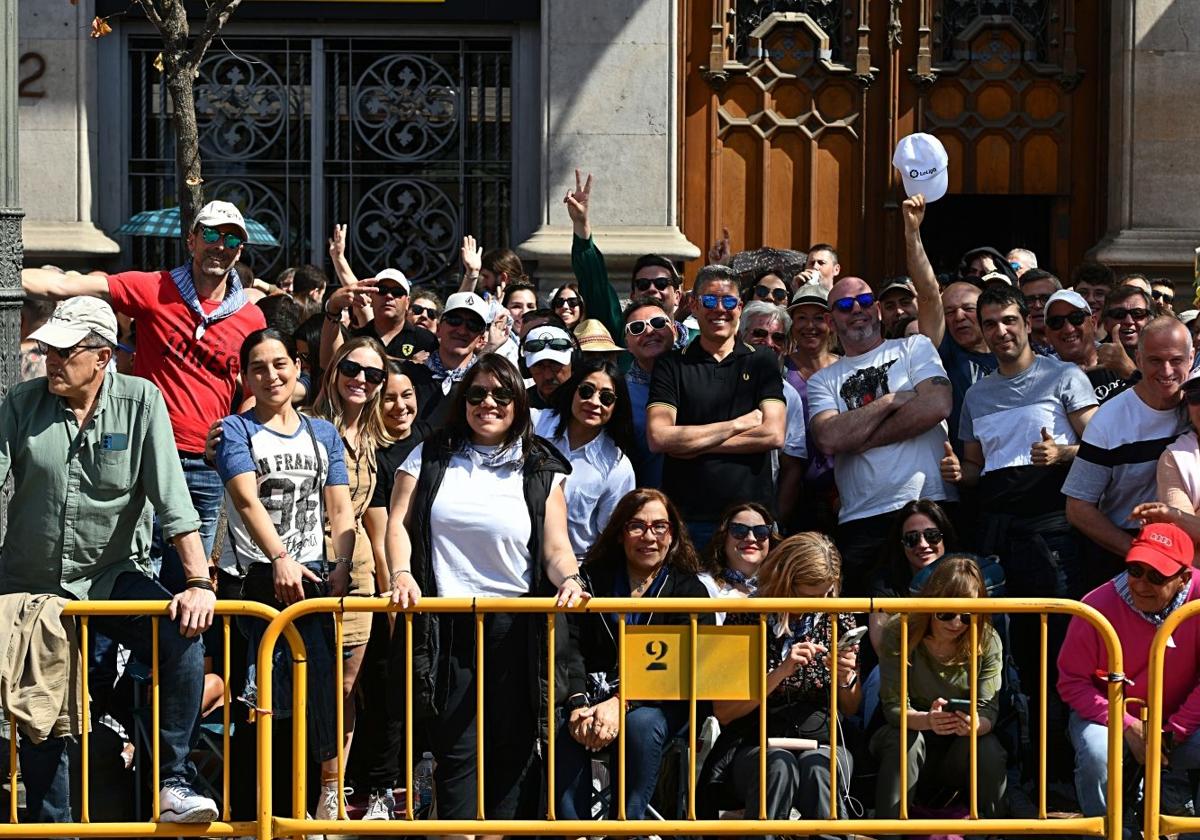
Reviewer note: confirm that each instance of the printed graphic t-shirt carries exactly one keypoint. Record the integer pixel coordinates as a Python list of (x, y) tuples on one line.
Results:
[(198, 378)]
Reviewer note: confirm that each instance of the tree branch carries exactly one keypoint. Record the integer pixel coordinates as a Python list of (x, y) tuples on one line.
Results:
[(151, 13), (218, 13)]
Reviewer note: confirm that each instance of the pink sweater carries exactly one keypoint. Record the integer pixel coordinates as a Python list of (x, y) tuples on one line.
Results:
[(1083, 653)]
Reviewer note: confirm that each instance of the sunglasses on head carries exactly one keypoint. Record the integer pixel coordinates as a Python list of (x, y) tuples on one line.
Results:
[(1138, 570), (643, 284), (533, 345), (1163, 296), (212, 236), (759, 334), (418, 309), (740, 530), (475, 325), (728, 302), (965, 618), (658, 322), (765, 292), (502, 396), (865, 301), (569, 303), (587, 390), (912, 539), (1118, 313), (351, 369), (392, 290), (1076, 319)]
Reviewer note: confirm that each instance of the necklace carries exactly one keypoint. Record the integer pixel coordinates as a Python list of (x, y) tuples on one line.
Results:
[(640, 587)]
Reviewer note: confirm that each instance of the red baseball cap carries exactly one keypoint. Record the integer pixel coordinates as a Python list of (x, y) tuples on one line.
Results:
[(1164, 547)]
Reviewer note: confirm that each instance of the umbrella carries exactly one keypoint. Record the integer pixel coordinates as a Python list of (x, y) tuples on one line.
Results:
[(782, 261), (165, 223)]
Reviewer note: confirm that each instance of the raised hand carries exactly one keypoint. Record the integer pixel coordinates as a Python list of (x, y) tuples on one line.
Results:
[(577, 202), (337, 243), (719, 252), (1045, 451), (472, 256), (949, 465), (913, 211)]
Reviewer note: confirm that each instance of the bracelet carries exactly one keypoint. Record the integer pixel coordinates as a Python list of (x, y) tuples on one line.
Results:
[(283, 552), (345, 560), (578, 579), (399, 572), (853, 681), (201, 583)]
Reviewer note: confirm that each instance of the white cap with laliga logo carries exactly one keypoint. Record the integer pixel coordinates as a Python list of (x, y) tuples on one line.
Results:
[(924, 166), (217, 213)]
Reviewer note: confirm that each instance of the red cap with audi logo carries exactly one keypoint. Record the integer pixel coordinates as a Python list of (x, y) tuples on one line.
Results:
[(1164, 547)]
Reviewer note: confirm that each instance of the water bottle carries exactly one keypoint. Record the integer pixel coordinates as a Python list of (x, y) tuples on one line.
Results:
[(423, 782)]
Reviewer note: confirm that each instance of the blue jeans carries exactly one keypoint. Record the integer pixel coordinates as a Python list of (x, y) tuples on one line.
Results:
[(206, 490), (181, 687), (1091, 770)]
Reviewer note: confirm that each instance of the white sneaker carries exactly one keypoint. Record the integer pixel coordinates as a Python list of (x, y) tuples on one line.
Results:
[(327, 803), (179, 803), (381, 806)]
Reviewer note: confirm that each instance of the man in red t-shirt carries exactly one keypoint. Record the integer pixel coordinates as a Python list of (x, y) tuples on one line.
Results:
[(191, 322)]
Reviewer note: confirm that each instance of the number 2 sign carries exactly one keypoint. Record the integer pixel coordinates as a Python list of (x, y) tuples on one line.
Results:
[(658, 662)]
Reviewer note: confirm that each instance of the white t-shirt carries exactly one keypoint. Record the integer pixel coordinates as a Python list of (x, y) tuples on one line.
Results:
[(885, 478), (600, 476), (793, 440), (479, 523)]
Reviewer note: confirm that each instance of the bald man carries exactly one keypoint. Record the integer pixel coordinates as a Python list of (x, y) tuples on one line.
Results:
[(1117, 460)]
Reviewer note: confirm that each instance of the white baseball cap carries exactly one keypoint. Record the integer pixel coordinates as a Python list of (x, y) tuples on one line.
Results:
[(469, 301), (924, 166), (217, 213), (396, 276), (1068, 296), (547, 332), (74, 319)]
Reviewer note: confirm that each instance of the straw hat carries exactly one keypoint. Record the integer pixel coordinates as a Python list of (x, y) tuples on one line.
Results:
[(593, 337)]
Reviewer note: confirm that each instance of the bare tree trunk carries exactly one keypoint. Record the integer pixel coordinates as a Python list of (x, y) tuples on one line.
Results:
[(187, 148)]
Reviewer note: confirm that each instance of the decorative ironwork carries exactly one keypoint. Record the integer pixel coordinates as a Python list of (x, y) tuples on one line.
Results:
[(828, 14), (265, 204), (405, 107), (406, 223), (240, 107), (1035, 17)]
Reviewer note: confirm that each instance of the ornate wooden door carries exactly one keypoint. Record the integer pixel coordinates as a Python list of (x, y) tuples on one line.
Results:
[(792, 109)]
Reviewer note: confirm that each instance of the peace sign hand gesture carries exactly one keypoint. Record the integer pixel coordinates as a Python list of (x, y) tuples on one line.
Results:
[(577, 205)]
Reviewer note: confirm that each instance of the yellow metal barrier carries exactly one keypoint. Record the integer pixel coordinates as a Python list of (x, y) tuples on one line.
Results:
[(84, 610), (674, 647), (1157, 823)]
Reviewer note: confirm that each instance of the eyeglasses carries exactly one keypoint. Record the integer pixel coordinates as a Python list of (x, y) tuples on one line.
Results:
[(759, 334), (1118, 313), (1163, 297), (965, 618), (533, 345), (658, 322), (764, 292), (636, 527), (643, 284), (1032, 299), (418, 309), (740, 530), (587, 390), (568, 303), (1137, 570), (455, 320), (65, 353), (865, 301), (1076, 319), (212, 236), (502, 396), (912, 539), (351, 369), (392, 290), (728, 302)]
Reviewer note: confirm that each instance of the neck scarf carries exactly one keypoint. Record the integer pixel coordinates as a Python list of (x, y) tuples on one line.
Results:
[(1121, 582), (234, 300), (444, 375), (735, 578)]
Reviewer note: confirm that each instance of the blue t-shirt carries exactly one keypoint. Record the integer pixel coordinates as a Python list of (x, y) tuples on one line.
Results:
[(286, 471), (647, 465)]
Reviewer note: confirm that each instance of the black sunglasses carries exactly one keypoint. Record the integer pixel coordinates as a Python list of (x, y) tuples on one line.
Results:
[(587, 390), (639, 327), (392, 290), (569, 303), (740, 530), (1119, 313), (502, 396), (912, 539), (759, 334), (351, 369), (865, 301), (764, 292), (418, 309), (1076, 319), (643, 284), (1163, 296), (65, 353), (1137, 570), (533, 345), (475, 325), (212, 236), (965, 618)]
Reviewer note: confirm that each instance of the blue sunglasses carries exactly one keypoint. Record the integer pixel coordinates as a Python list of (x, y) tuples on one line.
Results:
[(728, 302), (846, 304)]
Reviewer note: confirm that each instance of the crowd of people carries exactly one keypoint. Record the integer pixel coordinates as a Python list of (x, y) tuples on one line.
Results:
[(198, 434)]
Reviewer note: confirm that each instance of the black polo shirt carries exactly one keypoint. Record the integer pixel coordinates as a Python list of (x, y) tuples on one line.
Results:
[(702, 391), (406, 343)]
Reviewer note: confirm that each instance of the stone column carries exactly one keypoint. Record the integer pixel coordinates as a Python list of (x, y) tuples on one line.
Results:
[(609, 79), (1153, 160), (11, 251)]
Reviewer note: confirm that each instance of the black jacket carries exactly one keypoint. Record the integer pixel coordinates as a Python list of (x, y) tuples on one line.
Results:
[(540, 464)]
